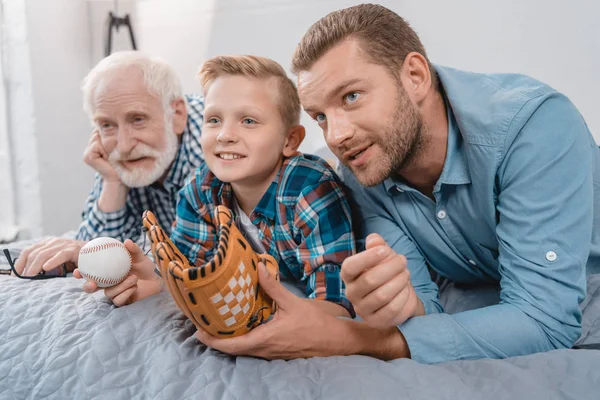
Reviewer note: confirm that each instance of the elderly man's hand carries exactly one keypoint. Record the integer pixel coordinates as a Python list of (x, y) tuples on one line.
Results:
[(48, 255), (97, 157), (141, 282), (378, 285)]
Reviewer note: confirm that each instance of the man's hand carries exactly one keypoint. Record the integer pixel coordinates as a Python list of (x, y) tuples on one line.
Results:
[(141, 282), (97, 157), (378, 285), (48, 255), (300, 329), (114, 192)]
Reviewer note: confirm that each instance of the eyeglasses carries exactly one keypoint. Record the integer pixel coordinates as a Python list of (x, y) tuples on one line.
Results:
[(59, 272)]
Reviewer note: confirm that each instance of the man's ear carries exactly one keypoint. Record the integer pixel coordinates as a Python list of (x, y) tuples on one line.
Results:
[(294, 139), (416, 77), (179, 115)]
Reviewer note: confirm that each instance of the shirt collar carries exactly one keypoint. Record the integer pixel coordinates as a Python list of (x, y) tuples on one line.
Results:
[(267, 205)]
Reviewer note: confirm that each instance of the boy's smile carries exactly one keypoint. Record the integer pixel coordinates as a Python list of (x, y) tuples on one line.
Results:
[(244, 137)]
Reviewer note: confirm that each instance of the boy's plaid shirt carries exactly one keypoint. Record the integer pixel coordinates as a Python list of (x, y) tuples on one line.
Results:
[(160, 199), (303, 219)]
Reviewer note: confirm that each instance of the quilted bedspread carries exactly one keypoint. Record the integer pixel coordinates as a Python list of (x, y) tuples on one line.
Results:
[(57, 342)]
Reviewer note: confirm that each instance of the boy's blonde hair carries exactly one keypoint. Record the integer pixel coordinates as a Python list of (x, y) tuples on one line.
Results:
[(255, 67)]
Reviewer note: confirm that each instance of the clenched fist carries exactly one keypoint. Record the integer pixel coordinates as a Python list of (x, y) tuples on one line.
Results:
[(378, 285)]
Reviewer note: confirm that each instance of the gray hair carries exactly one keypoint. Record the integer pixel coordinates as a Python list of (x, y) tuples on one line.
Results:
[(160, 78)]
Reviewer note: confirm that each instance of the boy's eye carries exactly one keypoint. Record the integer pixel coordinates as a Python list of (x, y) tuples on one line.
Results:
[(212, 120), (248, 121), (351, 97), (320, 118)]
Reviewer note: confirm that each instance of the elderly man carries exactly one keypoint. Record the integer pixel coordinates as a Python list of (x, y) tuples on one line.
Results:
[(146, 142), (479, 179)]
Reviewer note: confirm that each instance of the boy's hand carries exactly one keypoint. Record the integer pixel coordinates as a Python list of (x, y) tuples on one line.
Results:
[(141, 282), (378, 285)]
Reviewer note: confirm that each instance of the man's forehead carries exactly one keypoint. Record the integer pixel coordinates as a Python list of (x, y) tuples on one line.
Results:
[(338, 65)]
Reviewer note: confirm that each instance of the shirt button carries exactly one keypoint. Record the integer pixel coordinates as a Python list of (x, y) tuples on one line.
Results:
[(551, 256), (399, 190), (472, 262), (441, 214)]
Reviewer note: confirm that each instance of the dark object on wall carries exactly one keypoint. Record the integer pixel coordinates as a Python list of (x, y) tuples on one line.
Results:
[(115, 23)]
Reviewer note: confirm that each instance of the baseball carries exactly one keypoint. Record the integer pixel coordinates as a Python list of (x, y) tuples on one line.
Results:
[(105, 261)]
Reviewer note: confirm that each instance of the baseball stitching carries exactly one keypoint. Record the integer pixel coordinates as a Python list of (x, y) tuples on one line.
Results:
[(104, 281), (98, 247)]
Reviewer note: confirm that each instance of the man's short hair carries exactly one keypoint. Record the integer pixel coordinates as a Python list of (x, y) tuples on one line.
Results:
[(383, 35), (255, 67), (160, 78)]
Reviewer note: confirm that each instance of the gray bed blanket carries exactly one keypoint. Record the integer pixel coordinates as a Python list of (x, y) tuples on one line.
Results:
[(57, 342)]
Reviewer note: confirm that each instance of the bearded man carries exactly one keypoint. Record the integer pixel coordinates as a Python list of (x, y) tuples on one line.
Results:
[(145, 143)]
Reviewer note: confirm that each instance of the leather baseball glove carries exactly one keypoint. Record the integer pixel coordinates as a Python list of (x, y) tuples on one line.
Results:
[(222, 296)]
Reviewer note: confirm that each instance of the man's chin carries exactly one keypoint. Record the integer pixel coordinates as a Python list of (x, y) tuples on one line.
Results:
[(366, 176), (138, 178)]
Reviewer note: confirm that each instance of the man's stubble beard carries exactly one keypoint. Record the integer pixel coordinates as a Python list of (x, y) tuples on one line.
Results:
[(401, 144)]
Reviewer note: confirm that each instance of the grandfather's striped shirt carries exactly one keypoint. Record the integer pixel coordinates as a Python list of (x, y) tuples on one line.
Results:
[(161, 199), (303, 220)]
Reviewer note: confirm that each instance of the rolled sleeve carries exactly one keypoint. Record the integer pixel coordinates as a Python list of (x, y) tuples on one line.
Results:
[(323, 218)]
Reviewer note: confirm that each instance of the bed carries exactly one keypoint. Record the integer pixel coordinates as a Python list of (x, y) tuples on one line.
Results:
[(57, 342)]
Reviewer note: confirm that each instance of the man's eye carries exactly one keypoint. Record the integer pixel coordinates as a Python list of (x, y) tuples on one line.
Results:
[(320, 118), (138, 120), (352, 97), (248, 121)]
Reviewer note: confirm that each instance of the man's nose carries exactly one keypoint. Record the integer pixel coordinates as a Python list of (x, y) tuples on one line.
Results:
[(339, 129), (125, 140)]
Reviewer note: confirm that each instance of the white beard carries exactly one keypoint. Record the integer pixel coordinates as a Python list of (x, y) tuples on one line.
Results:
[(140, 177)]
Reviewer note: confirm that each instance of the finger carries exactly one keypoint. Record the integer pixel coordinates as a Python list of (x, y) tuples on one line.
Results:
[(62, 257), (90, 287), (377, 276), (391, 314), (383, 295), (24, 256), (273, 288), (114, 291), (122, 298), (374, 240), (137, 254), (38, 257), (355, 265), (77, 274), (248, 344)]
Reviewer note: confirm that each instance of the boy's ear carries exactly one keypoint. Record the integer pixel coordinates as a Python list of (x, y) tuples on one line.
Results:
[(179, 116), (294, 139)]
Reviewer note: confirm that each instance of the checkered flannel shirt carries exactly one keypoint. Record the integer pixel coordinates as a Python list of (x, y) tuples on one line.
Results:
[(160, 199), (303, 219)]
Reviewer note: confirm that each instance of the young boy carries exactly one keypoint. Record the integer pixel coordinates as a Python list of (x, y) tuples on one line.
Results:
[(287, 204)]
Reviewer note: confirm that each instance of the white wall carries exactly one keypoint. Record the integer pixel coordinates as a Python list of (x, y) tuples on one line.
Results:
[(552, 40), (59, 51), (24, 201), (54, 43)]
